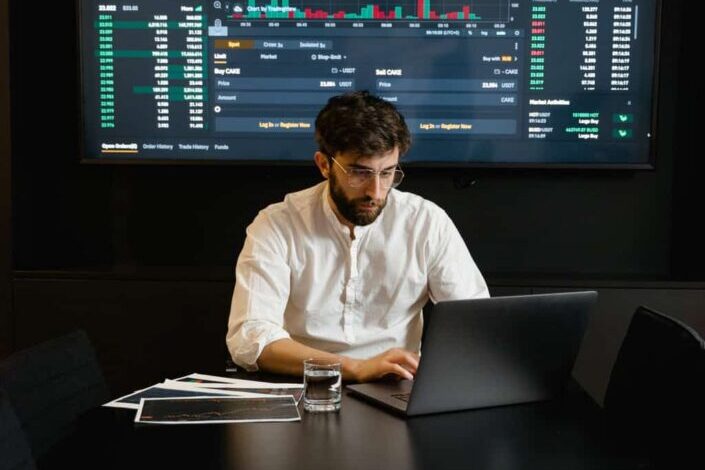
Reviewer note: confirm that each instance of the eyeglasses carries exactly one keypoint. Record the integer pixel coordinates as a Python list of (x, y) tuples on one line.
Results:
[(357, 177)]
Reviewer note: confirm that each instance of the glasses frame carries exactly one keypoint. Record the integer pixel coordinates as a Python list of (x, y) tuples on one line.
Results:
[(371, 173)]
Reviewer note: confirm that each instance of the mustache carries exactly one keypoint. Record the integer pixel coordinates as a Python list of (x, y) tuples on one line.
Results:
[(368, 200)]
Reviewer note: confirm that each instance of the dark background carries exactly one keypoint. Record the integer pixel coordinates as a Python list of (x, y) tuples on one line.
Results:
[(142, 256)]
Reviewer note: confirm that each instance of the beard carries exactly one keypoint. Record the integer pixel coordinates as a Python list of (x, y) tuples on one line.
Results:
[(351, 209)]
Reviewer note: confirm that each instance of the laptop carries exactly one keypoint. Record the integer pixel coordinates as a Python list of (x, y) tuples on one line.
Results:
[(495, 351)]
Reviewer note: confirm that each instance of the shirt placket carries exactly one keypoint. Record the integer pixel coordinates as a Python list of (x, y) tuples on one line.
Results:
[(350, 290)]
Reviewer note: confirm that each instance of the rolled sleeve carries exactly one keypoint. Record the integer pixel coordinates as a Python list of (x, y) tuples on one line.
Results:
[(246, 342), (262, 284)]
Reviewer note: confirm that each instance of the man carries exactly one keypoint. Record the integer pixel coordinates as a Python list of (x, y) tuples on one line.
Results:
[(342, 270)]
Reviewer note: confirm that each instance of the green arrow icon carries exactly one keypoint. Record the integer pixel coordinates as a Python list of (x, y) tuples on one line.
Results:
[(622, 133), (622, 118)]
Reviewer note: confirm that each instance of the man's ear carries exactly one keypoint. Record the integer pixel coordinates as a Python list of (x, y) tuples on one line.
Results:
[(322, 163)]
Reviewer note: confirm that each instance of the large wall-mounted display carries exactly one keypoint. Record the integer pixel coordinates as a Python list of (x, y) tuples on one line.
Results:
[(527, 83)]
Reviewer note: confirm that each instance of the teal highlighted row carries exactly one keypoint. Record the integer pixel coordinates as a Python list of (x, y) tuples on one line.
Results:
[(140, 54), (175, 93), (182, 76), (148, 24)]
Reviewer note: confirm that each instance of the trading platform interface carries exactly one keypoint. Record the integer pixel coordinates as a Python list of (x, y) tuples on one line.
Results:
[(478, 81)]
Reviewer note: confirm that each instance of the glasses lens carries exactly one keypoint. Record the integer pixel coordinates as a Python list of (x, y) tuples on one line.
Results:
[(358, 177), (398, 176), (388, 179)]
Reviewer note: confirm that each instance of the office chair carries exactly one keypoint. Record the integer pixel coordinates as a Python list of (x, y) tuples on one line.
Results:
[(50, 385), (656, 388), (15, 453)]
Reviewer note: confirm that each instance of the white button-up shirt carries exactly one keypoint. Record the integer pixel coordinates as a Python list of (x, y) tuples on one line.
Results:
[(301, 276)]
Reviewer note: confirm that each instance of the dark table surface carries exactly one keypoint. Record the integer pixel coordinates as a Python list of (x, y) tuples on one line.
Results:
[(570, 432)]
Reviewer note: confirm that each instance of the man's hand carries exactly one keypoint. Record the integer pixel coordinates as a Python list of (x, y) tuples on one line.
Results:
[(397, 362), (286, 356)]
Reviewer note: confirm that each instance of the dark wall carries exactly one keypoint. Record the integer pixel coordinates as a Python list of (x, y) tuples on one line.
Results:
[(5, 187), (142, 256), (142, 331), (688, 256)]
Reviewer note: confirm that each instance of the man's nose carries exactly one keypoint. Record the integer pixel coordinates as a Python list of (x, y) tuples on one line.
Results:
[(373, 187)]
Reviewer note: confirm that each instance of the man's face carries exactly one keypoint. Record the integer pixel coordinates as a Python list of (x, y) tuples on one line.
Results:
[(361, 205)]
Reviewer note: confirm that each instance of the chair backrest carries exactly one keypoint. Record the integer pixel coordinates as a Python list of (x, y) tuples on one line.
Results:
[(657, 384), (14, 448), (50, 385)]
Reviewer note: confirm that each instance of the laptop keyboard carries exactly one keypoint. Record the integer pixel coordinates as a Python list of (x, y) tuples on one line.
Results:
[(401, 396)]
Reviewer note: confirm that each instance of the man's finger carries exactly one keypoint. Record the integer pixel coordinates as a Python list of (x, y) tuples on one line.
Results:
[(399, 370), (406, 359)]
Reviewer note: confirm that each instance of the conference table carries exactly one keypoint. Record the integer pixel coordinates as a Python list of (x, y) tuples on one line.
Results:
[(570, 432)]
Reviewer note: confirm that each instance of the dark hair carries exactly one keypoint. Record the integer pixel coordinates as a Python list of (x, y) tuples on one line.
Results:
[(361, 124)]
